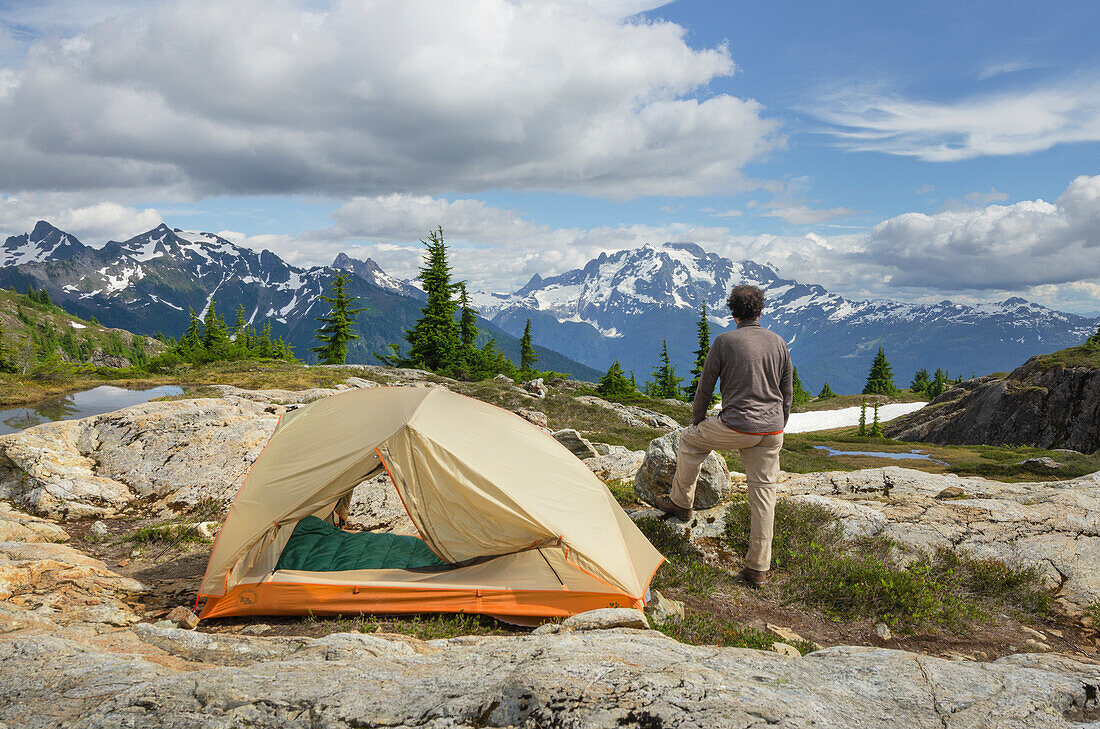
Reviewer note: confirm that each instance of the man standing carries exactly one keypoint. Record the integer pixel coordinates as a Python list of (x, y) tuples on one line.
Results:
[(756, 376)]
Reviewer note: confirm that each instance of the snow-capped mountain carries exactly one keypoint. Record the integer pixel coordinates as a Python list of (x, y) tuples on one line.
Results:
[(624, 304), (149, 284), (371, 272), (43, 243)]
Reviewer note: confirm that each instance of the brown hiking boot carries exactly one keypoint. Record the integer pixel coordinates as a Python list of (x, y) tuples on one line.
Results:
[(667, 505), (753, 578)]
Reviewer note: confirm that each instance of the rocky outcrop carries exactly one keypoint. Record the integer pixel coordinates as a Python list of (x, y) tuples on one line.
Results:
[(179, 453), (655, 475), (615, 463), (601, 678), (632, 415), (47, 585), (1054, 526), (1037, 404)]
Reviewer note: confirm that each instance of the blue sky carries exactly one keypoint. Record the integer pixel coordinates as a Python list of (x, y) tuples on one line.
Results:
[(887, 150)]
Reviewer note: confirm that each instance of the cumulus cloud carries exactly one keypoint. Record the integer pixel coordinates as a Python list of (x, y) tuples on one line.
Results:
[(1006, 123), (1029, 243), (425, 96), (91, 222)]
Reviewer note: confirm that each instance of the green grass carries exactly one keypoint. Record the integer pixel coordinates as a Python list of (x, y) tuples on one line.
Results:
[(997, 462), (702, 629), (846, 579), (623, 491), (1085, 355), (163, 534), (847, 401)]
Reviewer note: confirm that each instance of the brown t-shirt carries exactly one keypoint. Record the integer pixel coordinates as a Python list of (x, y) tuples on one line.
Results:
[(756, 376)]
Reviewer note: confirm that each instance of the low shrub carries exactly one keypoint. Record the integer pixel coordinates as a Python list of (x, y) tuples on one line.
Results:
[(857, 578), (684, 568)]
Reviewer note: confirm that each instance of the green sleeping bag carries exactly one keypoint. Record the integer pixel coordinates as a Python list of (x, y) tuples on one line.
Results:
[(317, 546)]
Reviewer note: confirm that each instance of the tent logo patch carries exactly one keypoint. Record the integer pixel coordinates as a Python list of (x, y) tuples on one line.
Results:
[(247, 598)]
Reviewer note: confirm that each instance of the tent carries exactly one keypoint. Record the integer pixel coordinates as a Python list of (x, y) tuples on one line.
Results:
[(514, 524)]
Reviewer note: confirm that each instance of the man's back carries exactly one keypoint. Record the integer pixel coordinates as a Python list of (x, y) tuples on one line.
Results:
[(755, 371)]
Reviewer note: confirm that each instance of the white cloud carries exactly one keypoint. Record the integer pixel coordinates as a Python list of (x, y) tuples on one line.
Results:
[(926, 189), (1029, 243), (276, 96), (91, 222), (1006, 123), (802, 214), (984, 198)]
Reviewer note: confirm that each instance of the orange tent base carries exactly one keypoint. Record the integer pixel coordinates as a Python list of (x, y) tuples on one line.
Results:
[(295, 598)]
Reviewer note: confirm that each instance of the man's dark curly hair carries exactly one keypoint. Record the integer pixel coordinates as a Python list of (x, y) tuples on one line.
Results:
[(746, 302)]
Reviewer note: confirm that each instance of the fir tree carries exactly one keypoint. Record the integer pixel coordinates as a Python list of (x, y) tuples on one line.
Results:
[(826, 392), (435, 339), (876, 427), (702, 329), (614, 383), (1095, 338), (800, 395), (264, 346), (939, 385), (665, 383), (191, 341), (214, 337), (93, 320), (921, 381), (880, 380), (527, 354), (240, 332), (338, 326), (467, 325), (863, 417)]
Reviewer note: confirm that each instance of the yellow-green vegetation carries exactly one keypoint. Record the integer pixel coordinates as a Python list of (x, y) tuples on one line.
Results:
[(1085, 355), (1005, 463), (702, 629), (166, 534), (684, 569), (623, 491), (425, 627), (818, 567)]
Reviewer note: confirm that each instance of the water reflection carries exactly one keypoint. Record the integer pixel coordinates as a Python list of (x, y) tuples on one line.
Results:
[(98, 400), (904, 455)]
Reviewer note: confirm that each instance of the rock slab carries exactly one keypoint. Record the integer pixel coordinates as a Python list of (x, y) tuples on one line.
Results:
[(657, 470)]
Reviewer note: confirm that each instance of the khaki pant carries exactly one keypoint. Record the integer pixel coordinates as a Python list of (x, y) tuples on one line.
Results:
[(759, 453)]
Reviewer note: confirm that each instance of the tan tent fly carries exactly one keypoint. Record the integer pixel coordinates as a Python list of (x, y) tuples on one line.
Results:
[(516, 525)]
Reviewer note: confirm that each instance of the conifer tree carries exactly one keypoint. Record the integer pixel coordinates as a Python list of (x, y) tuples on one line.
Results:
[(880, 380), (939, 385), (338, 326), (240, 332), (799, 395), (93, 320), (863, 417), (265, 347), (192, 338), (876, 427), (664, 382), (435, 338), (214, 337), (527, 354), (920, 382), (614, 383), (826, 392), (467, 324), (702, 329), (1095, 338)]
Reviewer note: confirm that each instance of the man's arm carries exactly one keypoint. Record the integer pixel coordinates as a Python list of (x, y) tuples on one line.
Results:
[(705, 391), (786, 385)]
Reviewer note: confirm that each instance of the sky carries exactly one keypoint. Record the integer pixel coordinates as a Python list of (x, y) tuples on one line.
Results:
[(909, 151)]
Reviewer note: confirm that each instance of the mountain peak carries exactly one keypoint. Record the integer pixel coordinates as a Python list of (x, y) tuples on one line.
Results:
[(43, 229), (371, 272)]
